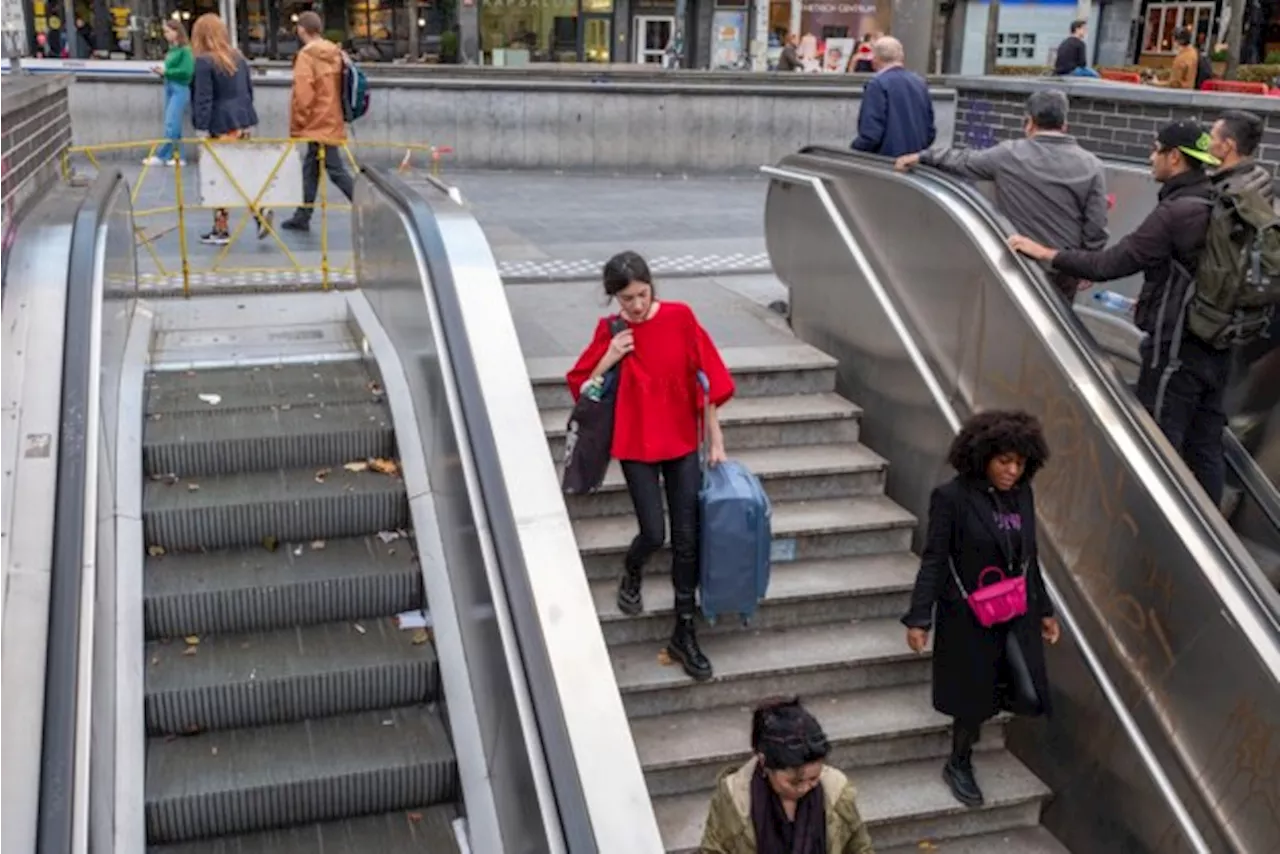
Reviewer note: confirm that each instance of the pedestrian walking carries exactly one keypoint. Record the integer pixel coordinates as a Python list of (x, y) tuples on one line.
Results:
[(981, 541), (178, 70), (1049, 187), (1182, 380), (896, 115), (222, 103), (656, 433), (315, 115)]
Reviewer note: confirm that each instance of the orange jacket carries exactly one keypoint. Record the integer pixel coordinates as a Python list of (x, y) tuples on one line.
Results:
[(316, 109), (1183, 75)]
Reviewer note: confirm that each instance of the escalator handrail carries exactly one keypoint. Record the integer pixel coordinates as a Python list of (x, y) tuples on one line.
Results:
[(1254, 584), (1091, 660), (571, 803), (58, 750)]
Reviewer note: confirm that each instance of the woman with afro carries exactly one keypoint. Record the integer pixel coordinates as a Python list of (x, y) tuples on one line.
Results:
[(984, 517)]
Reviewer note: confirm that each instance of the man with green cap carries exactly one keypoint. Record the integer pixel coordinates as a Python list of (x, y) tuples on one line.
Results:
[(1182, 380)]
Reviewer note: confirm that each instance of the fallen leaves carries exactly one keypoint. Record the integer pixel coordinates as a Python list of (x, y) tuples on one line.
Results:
[(379, 464), (211, 399), (322, 475), (414, 817), (359, 628), (317, 545), (191, 650), (155, 551), (420, 636), (664, 658), (192, 640), (356, 466), (270, 543)]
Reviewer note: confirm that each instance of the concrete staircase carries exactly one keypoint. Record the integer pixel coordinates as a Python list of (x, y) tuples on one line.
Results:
[(828, 629)]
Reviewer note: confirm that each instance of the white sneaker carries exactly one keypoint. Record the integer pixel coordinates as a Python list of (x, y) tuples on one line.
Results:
[(154, 161)]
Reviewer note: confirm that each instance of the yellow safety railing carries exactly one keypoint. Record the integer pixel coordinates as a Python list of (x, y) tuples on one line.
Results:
[(254, 204)]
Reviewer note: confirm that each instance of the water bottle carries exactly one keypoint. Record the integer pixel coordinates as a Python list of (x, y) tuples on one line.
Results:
[(1112, 301)]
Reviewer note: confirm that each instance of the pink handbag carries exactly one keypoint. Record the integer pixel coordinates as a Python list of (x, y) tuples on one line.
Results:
[(997, 602)]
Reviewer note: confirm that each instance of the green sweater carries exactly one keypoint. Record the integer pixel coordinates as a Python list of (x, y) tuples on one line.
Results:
[(179, 64)]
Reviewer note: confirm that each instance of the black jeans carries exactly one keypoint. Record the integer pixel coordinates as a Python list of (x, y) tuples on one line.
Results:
[(1188, 405), (681, 479), (336, 169)]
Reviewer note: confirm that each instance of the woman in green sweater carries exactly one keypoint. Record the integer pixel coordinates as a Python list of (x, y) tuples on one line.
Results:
[(179, 68)]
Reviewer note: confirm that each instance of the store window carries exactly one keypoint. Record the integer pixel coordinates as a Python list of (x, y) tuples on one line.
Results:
[(1016, 48), (837, 19), (1165, 19), (515, 32)]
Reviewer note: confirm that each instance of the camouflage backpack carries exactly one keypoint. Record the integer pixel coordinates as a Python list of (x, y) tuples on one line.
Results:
[(1237, 282)]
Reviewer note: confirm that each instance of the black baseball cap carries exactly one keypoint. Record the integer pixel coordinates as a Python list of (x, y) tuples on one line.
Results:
[(1190, 138)]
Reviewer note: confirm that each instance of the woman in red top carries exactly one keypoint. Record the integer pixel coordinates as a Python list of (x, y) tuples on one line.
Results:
[(655, 433)]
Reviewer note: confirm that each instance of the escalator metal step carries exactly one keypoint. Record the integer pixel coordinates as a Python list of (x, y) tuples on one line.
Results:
[(172, 392), (238, 781), (298, 505), (252, 589), (414, 831), (198, 445), (228, 681)]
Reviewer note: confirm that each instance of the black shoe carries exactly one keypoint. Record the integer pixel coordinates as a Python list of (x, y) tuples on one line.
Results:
[(215, 238), (684, 648), (264, 223), (630, 601), (295, 224), (958, 775)]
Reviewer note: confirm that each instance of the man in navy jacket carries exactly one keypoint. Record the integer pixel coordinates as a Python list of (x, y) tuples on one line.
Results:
[(896, 116)]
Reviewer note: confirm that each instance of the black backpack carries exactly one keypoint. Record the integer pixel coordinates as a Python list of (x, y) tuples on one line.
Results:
[(588, 443), (1204, 70)]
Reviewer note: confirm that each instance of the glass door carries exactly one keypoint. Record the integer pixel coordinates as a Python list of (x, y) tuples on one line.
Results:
[(652, 35), (597, 38)]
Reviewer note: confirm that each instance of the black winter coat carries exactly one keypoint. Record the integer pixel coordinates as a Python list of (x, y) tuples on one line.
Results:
[(969, 660), (221, 102)]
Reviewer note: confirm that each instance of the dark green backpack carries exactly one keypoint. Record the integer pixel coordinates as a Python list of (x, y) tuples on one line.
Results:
[(1237, 282)]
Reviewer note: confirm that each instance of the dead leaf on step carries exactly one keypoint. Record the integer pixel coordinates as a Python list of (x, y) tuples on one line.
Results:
[(192, 640), (191, 650), (211, 399), (193, 487), (356, 466), (389, 536), (664, 658), (270, 543), (155, 551), (359, 628), (317, 545), (375, 389), (414, 817), (322, 474), (926, 845), (384, 466), (420, 636)]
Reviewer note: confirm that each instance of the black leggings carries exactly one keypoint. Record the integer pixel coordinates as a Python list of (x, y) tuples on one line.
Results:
[(681, 477)]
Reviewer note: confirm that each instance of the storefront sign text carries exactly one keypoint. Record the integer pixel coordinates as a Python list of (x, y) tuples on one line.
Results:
[(839, 8)]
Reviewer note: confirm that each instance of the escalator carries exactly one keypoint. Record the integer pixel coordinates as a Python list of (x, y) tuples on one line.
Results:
[(293, 598), (1167, 687)]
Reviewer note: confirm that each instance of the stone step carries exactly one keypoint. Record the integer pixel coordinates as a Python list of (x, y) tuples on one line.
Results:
[(1017, 840), (427, 830), (750, 664), (170, 393), (297, 505), (253, 589), (902, 804), (758, 371), (800, 593), (245, 680), (798, 473), (281, 437), (802, 530), (244, 780), (758, 422), (685, 752)]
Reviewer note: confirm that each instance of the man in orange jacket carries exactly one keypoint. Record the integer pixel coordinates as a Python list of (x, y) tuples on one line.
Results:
[(315, 114)]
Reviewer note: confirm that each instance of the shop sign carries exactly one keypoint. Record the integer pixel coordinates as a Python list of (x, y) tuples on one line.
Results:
[(822, 7)]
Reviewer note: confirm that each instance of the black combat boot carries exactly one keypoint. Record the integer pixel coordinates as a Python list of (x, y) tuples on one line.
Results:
[(630, 601), (958, 772), (684, 648)]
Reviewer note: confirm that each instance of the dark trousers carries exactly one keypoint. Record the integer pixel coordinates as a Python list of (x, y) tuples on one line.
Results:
[(681, 479), (1188, 405), (964, 735), (336, 169)]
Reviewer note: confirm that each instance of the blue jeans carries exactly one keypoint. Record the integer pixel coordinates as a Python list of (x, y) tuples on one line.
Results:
[(176, 98), (1084, 71)]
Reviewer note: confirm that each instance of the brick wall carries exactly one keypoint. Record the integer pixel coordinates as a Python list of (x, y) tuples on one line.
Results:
[(1108, 119), (35, 127)]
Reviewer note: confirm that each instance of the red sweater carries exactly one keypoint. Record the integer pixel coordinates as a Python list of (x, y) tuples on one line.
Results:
[(658, 394)]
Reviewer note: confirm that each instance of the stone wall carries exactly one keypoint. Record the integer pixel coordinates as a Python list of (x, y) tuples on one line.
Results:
[(1110, 119), (36, 126)]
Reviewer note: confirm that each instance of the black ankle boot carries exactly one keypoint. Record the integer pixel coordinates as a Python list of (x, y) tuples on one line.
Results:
[(958, 775), (684, 648), (630, 600)]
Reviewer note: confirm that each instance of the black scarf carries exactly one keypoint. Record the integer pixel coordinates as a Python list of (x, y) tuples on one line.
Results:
[(775, 834)]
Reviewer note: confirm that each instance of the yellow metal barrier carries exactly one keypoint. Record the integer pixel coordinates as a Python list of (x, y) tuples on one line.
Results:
[(255, 208)]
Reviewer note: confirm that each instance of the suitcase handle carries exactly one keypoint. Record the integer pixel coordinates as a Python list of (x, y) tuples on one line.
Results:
[(704, 429)]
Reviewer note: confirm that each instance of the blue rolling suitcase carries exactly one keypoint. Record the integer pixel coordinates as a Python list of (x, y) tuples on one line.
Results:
[(735, 536)]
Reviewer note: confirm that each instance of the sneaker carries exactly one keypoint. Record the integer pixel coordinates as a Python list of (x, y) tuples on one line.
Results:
[(629, 598), (683, 647), (958, 775), (264, 223), (154, 161), (293, 223), (216, 238)]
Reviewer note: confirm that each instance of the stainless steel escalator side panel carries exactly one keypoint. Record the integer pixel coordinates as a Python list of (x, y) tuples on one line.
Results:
[(1147, 565), (547, 708), (34, 310)]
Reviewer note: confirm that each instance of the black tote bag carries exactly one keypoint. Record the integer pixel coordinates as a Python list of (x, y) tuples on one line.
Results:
[(588, 440)]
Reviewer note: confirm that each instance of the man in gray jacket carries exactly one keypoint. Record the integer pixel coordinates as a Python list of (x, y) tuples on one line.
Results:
[(1048, 187), (1235, 137)]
